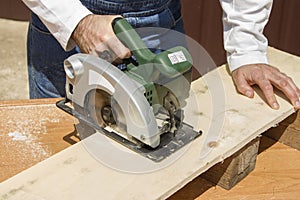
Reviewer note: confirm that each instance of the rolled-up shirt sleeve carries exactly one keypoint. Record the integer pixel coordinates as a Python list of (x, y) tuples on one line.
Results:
[(60, 17), (243, 23)]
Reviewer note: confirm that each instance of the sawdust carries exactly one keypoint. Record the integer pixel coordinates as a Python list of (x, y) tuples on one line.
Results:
[(29, 146), (21, 128), (28, 135), (17, 136)]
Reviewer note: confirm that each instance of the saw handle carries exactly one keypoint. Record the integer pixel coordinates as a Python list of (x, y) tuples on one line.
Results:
[(132, 40)]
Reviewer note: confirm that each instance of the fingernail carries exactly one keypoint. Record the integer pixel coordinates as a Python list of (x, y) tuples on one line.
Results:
[(248, 94), (297, 104), (275, 106)]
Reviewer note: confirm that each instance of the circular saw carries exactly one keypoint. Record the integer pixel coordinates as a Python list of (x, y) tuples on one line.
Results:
[(138, 103)]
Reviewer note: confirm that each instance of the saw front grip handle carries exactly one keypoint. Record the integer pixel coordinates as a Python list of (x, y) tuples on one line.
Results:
[(128, 36)]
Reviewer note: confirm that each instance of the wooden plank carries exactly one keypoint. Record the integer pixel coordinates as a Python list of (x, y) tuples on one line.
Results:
[(276, 176), (50, 142), (26, 102), (228, 124), (287, 132)]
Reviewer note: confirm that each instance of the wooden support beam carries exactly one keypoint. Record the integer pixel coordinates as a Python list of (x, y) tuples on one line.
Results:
[(233, 169), (287, 132)]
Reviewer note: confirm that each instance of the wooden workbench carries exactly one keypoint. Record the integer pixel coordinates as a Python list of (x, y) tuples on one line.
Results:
[(31, 131), (34, 130)]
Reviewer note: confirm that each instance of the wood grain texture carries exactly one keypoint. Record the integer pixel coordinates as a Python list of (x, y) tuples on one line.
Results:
[(228, 124), (276, 176), (27, 129)]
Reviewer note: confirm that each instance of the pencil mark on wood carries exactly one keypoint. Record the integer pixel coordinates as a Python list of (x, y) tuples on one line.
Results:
[(85, 170), (199, 113), (32, 182), (69, 161), (202, 90), (11, 193)]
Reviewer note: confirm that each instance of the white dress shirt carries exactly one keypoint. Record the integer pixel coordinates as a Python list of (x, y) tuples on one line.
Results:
[(60, 17), (243, 21)]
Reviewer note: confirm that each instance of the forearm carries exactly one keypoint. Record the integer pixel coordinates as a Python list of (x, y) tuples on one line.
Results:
[(60, 17), (244, 22)]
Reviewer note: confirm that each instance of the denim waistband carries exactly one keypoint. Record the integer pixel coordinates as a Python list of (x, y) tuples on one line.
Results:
[(129, 8)]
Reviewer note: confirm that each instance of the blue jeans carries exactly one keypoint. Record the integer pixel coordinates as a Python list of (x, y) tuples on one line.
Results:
[(45, 55)]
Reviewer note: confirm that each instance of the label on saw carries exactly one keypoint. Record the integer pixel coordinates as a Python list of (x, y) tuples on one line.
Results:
[(177, 57)]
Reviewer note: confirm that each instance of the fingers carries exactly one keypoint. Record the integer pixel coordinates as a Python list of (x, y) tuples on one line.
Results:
[(242, 85), (288, 87), (267, 89), (112, 51), (266, 77), (94, 35), (244, 80), (116, 49)]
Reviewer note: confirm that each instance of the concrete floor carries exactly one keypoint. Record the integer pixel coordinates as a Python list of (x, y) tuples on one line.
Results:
[(13, 64)]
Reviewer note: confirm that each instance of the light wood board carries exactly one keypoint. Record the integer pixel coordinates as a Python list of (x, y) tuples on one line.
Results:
[(276, 176), (229, 123)]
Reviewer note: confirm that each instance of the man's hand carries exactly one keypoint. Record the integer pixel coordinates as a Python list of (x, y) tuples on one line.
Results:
[(266, 77), (94, 35)]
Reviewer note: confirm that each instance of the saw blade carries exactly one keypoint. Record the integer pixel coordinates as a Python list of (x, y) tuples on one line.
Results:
[(101, 107)]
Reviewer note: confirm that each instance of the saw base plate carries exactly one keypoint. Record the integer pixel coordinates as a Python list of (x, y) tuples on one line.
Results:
[(169, 142)]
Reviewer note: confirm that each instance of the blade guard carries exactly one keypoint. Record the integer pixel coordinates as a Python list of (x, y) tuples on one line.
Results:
[(87, 72)]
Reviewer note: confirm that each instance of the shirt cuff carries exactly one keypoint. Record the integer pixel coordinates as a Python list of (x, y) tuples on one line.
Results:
[(60, 17), (67, 42), (237, 60)]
